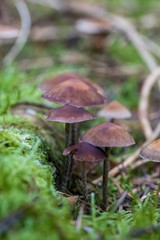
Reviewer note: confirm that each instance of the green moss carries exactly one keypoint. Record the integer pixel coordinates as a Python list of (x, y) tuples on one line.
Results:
[(27, 183), (15, 88)]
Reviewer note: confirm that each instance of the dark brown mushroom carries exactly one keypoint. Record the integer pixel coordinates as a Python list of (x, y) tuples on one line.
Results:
[(74, 92), (70, 115), (48, 85), (85, 152), (107, 135)]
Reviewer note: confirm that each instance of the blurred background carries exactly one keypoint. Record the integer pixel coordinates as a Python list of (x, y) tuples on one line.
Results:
[(104, 40)]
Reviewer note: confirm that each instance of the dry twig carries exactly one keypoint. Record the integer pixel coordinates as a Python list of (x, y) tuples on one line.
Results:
[(129, 30), (143, 104), (23, 34)]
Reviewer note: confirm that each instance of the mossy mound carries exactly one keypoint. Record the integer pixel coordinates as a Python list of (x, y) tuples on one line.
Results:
[(27, 192)]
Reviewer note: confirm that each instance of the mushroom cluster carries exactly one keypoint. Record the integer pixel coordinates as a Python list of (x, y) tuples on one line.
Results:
[(74, 92)]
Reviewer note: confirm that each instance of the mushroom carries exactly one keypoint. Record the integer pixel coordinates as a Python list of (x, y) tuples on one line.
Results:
[(74, 92), (85, 152), (46, 86), (97, 28), (70, 115), (114, 110), (93, 26), (151, 151), (58, 79), (107, 135)]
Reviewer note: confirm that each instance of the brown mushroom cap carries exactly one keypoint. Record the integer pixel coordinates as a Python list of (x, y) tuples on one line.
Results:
[(48, 85), (115, 110), (108, 135), (151, 151), (68, 114), (85, 152), (71, 149), (74, 92), (58, 79), (98, 89)]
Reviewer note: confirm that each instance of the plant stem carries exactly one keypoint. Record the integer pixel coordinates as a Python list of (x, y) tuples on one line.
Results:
[(105, 180), (84, 179)]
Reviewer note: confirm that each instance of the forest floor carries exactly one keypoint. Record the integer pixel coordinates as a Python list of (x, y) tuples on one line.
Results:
[(32, 205)]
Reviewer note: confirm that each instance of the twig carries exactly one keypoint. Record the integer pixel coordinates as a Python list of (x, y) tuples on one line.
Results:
[(145, 179), (128, 29), (145, 194), (23, 34), (139, 163), (120, 201), (143, 104), (79, 218), (152, 47)]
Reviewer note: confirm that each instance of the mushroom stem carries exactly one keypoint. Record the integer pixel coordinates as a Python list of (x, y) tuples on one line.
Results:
[(105, 180), (112, 120), (68, 131), (84, 179), (72, 135), (74, 140), (68, 162), (75, 133)]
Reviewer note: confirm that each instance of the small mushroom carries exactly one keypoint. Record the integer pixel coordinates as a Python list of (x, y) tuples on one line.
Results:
[(151, 151), (114, 110), (107, 135), (85, 152), (93, 26), (70, 115), (98, 29)]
